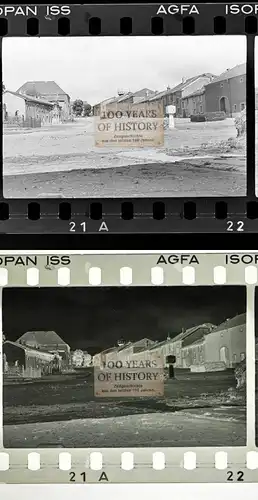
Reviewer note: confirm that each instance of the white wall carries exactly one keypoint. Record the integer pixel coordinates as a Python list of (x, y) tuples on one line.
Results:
[(233, 338)]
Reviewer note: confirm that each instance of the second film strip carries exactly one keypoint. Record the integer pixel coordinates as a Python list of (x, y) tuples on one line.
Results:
[(116, 365)]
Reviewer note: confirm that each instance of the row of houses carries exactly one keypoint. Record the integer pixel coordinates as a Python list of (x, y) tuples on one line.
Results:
[(198, 95), (35, 104), (35, 354), (203, 347)]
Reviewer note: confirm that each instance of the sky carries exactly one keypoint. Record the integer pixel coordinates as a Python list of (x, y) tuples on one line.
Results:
[(98, 317), (94, 68)]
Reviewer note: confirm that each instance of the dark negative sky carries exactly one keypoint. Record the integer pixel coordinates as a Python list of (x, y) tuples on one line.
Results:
[(98, 317)]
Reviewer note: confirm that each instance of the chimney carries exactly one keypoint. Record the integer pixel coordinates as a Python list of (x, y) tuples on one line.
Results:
[(120, 342), (183, 79)]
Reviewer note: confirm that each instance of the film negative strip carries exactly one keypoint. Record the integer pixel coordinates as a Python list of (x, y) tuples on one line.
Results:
[(129, 367), (103, 132)]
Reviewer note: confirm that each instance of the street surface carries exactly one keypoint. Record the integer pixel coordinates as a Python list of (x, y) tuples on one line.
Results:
[(62, 161), (197, 410)]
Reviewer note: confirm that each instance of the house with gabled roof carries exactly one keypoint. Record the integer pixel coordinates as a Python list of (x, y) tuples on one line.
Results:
[(28, 111), (175, 95), (227, 92), (48, 341), (194, 104), (224, 345), (123, 99), (23, 361), (50, 91), (174, 346)]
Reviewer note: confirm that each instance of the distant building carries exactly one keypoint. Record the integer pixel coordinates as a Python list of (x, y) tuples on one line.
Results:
[(122, 100), (29, 111), (227, 92), (51, 92), (23, 361), (123, 352), (48, 341)]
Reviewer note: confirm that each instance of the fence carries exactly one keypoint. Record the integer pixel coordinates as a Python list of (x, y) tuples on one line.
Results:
[(19, 122), (19, 372)]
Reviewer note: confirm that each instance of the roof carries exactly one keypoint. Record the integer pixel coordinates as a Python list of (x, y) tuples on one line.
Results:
[(124, 97), (238, 320), (27, 97), (158, 95), (157, 345), (106, 351), (42, 88), (189, 331), (197, 92), (238, 70), (106, 101), (139, 342), (28, 349), (187, 82), (181, 86), (42, 337)]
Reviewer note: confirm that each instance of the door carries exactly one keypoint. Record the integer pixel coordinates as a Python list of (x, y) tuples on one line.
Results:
[(224, 355), (223, 104)]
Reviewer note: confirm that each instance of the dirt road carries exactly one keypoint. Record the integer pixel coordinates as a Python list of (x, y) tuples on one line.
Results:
[(62, 161), (166, 429), (196, 410)]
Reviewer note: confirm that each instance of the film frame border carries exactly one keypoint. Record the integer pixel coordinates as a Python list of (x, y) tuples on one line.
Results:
[(140, 214), (220, 464)]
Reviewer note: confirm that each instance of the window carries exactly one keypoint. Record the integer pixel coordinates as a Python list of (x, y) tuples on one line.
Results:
[(242, 106), (235, 108), (201, 110), (222, 85), (183, 104), (200, 98)]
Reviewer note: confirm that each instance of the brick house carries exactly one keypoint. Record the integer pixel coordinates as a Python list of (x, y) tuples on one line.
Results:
[(227, 92), (49, 91)]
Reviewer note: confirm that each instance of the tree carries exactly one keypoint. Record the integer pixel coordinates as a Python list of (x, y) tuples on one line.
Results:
[(78, 107), (3, 87), (86, 109)]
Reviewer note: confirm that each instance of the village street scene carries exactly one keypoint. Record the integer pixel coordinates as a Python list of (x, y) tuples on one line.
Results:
[(54, 364), (52, 105)]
